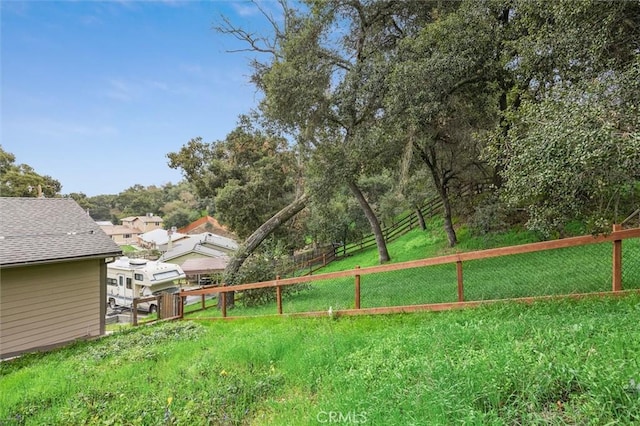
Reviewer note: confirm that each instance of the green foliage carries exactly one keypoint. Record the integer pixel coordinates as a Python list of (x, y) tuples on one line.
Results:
[(570, 41), (576, 154), (251, 174), (324, 83), (176, 203), (180, 217), (338, 220), (490, 216), (265, 264), (442, 93), (21, 180), (139, 200)]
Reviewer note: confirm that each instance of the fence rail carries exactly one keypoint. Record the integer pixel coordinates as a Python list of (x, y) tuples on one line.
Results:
[(429, 209), (453, 292), (169, 306), (390, 233)]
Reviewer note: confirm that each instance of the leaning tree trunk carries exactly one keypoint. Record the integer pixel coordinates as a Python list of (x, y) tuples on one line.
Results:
[(254, 240), (383, 253)]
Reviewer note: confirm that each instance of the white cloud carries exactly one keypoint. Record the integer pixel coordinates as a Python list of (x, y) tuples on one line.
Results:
[(243, 9), (121, 90)]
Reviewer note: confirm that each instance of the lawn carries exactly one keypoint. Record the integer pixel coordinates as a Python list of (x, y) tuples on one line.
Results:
[(551, 362), (554, 362), (581, 269)]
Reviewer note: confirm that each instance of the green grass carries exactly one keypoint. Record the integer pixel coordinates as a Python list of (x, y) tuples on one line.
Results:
[(555, 362), (581, 269), (552, 362)]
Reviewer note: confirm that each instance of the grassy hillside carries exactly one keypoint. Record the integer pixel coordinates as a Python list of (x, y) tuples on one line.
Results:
[(553, 362), (563, 271), (561, 362)]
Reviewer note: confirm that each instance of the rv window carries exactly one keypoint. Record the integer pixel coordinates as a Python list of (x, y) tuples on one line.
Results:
[(166, 275), (112, 281), (138, 277), (129, 286)]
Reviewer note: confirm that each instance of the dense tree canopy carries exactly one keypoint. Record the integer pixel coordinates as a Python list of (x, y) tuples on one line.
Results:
[(21, 180), (467, 91), (575, 153), (441, 95), (567, 145), (250, 175)]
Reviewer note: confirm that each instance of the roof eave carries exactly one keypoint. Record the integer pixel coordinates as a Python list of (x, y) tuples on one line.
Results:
[(60, 260)]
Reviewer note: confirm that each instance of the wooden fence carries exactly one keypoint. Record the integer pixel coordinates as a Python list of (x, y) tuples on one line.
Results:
[(615, 238), (430, 208), (169, 306), (390, 233)]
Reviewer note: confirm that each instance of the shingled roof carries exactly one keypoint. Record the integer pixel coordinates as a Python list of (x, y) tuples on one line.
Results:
[(44, 230)]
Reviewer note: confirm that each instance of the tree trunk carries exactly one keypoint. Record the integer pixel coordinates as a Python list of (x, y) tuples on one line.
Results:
[(440, 181), (254, 240), (420, 216), (383, 253), (448, 224)]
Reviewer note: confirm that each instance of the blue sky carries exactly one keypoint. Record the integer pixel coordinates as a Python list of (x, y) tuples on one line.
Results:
[(95, 94)]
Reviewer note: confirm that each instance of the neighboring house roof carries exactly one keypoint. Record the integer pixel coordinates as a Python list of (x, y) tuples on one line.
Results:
[(144, 219), (206, 224), (219, 241), (45, 230), (160, 236), (120, 230), (192, 244), (204, 265)]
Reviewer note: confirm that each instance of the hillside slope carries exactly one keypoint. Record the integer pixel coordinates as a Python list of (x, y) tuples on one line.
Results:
[(561, 362)]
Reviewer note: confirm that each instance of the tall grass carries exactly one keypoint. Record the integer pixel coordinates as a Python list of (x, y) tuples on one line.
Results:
[(556, 362)]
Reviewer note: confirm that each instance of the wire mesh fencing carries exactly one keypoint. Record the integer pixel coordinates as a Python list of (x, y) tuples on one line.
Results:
[(571, 270), (563, 267), (631, 264)]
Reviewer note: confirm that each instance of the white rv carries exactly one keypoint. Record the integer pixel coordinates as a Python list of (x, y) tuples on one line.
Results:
[(129, 278)]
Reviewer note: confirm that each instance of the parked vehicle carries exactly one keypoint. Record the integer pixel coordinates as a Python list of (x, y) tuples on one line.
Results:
[(129, 278)]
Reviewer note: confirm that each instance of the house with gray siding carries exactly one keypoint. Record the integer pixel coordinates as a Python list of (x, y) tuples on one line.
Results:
[(52, 274)]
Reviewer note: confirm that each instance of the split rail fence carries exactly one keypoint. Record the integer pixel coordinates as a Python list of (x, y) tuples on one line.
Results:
[(572, 266), (429, 209)]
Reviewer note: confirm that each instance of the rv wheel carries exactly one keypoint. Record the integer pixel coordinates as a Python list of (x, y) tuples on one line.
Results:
[(153, 309), (112, 303)]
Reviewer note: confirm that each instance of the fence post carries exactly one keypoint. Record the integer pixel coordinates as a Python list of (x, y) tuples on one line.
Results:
[(357, 295), (324, 259), (279, 296), (460, 283), (224, 303), (134, 312), (617, 261)]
